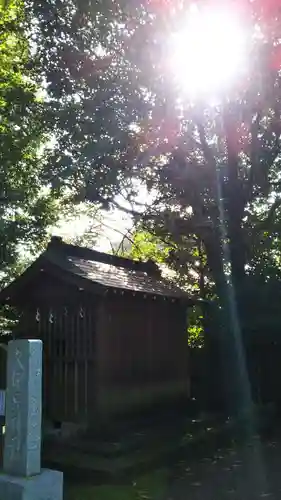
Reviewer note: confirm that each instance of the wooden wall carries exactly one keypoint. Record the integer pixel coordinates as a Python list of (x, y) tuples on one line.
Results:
[(69, 363), (107, 354), (64, 318), (142, 351)]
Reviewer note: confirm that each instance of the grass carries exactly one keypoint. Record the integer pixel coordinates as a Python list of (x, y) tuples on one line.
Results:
[(147, 487)]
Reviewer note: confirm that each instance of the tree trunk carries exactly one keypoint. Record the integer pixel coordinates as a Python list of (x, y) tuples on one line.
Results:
[(234, 206), (232, 356)]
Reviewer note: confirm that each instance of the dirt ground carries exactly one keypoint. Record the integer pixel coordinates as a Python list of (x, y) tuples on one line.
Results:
[(247, 473), (242, 473)]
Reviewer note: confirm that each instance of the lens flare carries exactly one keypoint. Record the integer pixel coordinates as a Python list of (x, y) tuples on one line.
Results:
[(209, 52)]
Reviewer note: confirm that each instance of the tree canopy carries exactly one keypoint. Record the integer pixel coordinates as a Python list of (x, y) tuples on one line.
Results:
[(118, 117), (27, 205), (115, 113)]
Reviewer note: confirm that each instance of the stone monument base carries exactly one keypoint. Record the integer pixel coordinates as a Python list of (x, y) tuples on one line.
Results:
[(46, 486)]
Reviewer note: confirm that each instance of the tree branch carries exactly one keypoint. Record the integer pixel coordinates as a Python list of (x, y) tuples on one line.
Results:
[(275, 183), (207, 151), (271, 214), (128, 211), (254, 157), (275, 151)]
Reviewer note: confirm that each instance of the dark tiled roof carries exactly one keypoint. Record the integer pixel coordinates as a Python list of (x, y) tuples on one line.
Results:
[(111, 271)]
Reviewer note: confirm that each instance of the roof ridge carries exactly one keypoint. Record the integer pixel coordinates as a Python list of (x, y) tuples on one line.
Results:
[(56, 243)]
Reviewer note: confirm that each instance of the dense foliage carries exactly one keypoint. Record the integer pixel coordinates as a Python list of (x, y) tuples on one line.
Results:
[(118, 116), (27, 206), (113, 110)]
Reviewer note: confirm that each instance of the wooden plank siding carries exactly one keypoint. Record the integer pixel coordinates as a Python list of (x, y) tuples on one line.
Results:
[(104, 354), (143, 350), (69, 362), (64, 318)]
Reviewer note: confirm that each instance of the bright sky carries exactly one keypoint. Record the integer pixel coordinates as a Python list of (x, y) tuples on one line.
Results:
[(113, 226)]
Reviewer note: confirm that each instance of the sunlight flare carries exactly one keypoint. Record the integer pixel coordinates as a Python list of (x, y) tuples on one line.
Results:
[(209, 52)]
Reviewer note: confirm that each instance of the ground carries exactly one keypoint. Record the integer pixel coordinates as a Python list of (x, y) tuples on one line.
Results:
[(249, 472), (146, 487), (239, 472)]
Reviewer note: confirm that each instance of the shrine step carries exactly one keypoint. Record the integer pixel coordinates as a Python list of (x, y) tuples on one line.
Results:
[(140, 450), (126, 442), (133, 453)]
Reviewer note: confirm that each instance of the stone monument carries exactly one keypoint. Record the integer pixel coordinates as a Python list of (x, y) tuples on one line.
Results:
[(22, 477)]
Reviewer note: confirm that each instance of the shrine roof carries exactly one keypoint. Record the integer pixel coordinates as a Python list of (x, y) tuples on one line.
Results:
[(102, 269)]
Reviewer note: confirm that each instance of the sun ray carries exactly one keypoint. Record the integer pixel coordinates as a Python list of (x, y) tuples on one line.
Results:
[(209, 52)]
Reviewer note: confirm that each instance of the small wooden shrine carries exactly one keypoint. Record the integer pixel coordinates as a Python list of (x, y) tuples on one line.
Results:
[(114, 332)]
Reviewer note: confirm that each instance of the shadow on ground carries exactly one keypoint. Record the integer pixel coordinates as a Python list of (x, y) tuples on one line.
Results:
[(244, 472), (247, 472)]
